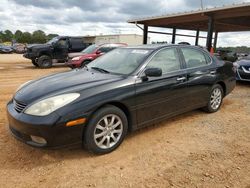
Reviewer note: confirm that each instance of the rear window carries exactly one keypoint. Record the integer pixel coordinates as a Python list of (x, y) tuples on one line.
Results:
[(194, 58)]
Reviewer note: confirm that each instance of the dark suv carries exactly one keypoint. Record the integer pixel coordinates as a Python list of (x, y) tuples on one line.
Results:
[(54, 51), (226, 55)]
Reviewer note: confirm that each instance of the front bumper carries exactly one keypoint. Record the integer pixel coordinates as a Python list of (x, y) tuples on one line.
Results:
[(242, 75), (51, 128), (29, 55), (73, 64)]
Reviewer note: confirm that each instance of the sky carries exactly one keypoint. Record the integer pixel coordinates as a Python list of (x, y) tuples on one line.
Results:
[(94, 17)]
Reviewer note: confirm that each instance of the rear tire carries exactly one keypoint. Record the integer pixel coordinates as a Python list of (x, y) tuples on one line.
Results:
[(44, 61), (215, 99), (106, 130)]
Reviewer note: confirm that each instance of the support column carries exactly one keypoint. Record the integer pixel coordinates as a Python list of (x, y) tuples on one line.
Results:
[(173, 35), (215, 39), (197, 37), (145, 34), (210, 33)]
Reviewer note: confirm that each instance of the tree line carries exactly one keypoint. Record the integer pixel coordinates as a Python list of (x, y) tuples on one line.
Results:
[(38, 36)]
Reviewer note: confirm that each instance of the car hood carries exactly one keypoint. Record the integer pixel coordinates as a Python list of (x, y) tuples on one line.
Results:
[(71, 81), (71, 55), (243, 62), (5, 48), (34, 46)]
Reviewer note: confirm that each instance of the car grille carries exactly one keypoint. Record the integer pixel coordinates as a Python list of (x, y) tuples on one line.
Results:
[(246, 68), (19, 106)]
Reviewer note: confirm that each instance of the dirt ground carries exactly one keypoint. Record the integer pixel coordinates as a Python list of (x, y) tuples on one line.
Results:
[(195, 149)]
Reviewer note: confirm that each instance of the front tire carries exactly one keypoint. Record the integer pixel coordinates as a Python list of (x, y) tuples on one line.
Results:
[(34, 62), (215, 99), (44, 61), (106, 130)]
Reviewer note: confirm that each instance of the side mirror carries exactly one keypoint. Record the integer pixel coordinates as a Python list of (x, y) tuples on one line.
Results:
[(153, 72), (98, 52)]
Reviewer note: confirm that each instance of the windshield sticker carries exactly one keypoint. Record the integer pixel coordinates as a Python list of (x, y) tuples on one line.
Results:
[(140, 51)]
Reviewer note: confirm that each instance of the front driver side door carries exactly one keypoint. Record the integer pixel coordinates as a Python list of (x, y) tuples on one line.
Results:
[(161, 97), (61, 49)]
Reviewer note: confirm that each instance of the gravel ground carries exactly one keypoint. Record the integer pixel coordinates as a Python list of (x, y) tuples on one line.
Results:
[(195, 149)]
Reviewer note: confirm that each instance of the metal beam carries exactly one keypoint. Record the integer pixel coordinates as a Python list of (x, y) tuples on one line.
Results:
[(145, 34), (215, 40), (210, 33), (182, 35), (197, 37), (173, 35)]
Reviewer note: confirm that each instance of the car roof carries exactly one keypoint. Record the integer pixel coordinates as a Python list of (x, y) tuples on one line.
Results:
[(111, 45), (159, 46)]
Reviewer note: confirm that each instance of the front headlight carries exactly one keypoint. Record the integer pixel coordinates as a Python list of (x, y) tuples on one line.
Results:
[(49, 105), (76, 59)]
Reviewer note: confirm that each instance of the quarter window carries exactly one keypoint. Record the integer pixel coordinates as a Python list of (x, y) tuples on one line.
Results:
[(166, 59), (193, 58), (105, 49)]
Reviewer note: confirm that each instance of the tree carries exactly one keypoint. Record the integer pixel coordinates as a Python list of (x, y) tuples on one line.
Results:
[(26, 38), (18, 35), (1, 36), (50, 36), (38, 37), (7, 36)]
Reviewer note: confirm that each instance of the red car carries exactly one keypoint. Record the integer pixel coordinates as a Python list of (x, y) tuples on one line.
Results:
[(77, 60)]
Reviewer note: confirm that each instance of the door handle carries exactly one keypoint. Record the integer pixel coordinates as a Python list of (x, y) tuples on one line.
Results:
[(213, 72), (181, 78)]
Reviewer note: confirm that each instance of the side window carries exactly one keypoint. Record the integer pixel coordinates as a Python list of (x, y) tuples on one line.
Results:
[(193, 58), (166, 59), (208, 59), (104, 49), (62, 43)]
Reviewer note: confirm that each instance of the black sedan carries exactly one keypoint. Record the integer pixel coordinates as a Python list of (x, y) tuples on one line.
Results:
[(127, 89), (243, 69), (5, 49)]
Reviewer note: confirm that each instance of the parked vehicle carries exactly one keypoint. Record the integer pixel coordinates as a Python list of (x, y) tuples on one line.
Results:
[(227, 55), (19, 48), (5, 49), (94, 51), (124, 90), (56, 50), (184, 43), (241, 56), (243, 69)]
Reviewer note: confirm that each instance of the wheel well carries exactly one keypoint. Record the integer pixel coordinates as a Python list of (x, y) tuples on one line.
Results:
[(121, 107), (223, 85), (44, 53)]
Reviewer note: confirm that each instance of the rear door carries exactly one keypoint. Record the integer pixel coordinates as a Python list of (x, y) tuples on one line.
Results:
[(76, 44), (161, 97), (201, 74)]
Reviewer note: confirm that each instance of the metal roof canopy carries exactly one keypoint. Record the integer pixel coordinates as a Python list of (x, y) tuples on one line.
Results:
[(222, 19)]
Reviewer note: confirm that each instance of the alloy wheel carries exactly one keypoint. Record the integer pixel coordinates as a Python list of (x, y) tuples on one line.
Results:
[(216, 98), (108, 131)]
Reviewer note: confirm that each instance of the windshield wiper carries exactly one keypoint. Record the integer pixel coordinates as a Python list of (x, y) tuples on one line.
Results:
[(100, 69)]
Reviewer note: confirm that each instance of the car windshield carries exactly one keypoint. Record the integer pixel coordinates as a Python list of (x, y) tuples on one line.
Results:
[(120, 61), (53, 40), (90, 49)]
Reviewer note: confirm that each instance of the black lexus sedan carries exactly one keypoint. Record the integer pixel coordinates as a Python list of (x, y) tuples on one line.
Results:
[(124, 90)]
